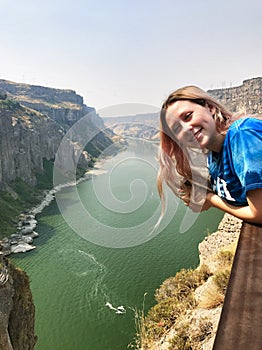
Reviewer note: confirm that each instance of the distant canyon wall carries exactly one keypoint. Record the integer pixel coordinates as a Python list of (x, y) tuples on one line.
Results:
[(244, 98)]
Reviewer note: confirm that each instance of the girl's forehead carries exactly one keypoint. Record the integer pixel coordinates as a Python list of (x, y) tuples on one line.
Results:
[(180, 105), (176, 109)]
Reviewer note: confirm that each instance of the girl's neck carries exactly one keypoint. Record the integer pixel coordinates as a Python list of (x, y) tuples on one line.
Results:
[(217, 144)]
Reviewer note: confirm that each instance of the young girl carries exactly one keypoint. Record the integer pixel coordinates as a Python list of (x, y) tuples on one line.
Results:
[(194, 125)]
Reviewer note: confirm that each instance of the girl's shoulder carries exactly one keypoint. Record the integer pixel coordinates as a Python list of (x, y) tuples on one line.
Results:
[(244, 133), (246, 124)]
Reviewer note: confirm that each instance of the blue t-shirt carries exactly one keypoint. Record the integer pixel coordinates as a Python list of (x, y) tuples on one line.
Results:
[(237, 168)]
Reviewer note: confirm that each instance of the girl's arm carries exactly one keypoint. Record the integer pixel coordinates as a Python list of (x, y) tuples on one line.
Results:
[(251, 213)]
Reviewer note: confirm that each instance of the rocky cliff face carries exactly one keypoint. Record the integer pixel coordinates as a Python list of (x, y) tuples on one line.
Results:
[(33, 121), (63, 106), (246, 97), (17, 311), (26, 139)]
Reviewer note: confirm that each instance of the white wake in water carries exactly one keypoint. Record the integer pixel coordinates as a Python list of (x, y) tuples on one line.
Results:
[(93, 260), (118, 310), (95, 271), (98, 288)]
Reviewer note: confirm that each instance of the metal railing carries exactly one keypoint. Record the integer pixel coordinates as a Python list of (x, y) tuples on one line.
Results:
[(240, 324)]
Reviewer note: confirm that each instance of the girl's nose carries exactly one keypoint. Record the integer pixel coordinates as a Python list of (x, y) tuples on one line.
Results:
[(186, 126)]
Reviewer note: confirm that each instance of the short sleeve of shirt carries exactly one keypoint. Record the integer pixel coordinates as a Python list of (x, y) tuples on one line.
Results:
[(245, 141), (237, 169)]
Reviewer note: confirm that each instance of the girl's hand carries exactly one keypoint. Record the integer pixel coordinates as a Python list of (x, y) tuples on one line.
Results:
[(196, 207), (207, 204)]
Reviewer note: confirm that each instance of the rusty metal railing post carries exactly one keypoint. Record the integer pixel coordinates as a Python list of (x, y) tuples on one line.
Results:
[(240, 325)]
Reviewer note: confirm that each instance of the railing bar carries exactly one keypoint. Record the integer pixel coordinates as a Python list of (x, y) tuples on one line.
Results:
[(240, 325)]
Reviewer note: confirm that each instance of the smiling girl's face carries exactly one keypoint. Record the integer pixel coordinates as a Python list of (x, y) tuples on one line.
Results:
[(193, 125)]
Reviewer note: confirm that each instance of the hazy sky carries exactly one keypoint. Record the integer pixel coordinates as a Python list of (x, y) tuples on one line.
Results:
[(130, 51)]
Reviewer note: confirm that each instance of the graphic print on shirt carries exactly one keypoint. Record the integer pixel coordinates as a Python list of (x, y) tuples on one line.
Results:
[(220, 186)]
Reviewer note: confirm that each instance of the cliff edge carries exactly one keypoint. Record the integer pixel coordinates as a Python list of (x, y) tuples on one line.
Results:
[(189, 305), (17, 311)]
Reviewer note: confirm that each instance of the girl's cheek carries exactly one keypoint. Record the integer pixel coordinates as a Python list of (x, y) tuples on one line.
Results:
[(181, 136)]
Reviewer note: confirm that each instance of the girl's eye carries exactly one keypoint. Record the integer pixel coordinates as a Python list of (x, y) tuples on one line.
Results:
[(187, 116)]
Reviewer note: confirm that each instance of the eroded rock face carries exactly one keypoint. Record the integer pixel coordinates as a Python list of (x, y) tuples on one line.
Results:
[(34, 120), (17, 312), (246, 97), (6, 304), (26, 139), (227, 233), (64, 106)]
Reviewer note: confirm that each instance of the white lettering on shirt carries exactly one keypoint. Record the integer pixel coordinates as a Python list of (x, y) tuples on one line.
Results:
[(220, 184)]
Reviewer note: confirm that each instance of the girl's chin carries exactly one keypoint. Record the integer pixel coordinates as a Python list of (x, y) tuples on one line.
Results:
[(197, 144)]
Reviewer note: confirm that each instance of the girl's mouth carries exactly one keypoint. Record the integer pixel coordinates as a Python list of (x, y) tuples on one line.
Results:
[(198, 134)]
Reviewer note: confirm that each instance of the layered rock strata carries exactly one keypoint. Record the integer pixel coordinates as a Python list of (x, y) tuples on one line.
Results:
[(246, 97), (34, 120)]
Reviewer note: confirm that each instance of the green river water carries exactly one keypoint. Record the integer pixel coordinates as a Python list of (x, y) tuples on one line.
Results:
[(79, 275)]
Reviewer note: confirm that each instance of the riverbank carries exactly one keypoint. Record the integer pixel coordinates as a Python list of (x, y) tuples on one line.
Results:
[(22, 240), (189, 304)]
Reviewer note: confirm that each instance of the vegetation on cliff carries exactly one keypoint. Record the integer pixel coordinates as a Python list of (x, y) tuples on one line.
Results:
[(188, 305), (17, 197), (7, 103)]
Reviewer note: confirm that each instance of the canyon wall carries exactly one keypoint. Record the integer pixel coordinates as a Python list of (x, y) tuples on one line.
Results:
[(34, 120), (17, 311), (26, 138), (246, 97)]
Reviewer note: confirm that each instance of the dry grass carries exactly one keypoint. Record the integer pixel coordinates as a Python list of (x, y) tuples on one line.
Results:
[(177, 299), (211, 296), (189, 334)]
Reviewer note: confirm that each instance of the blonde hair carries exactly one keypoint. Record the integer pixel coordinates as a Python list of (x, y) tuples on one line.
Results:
[(176, 166)]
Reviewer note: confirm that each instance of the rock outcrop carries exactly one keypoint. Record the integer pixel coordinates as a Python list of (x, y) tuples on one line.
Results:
[(63, 106), (17, 311), (27, 137), (34, 120), (246, 97), (227, 233)]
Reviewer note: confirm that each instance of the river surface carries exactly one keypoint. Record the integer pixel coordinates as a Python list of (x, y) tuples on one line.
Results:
[(87, 280)]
